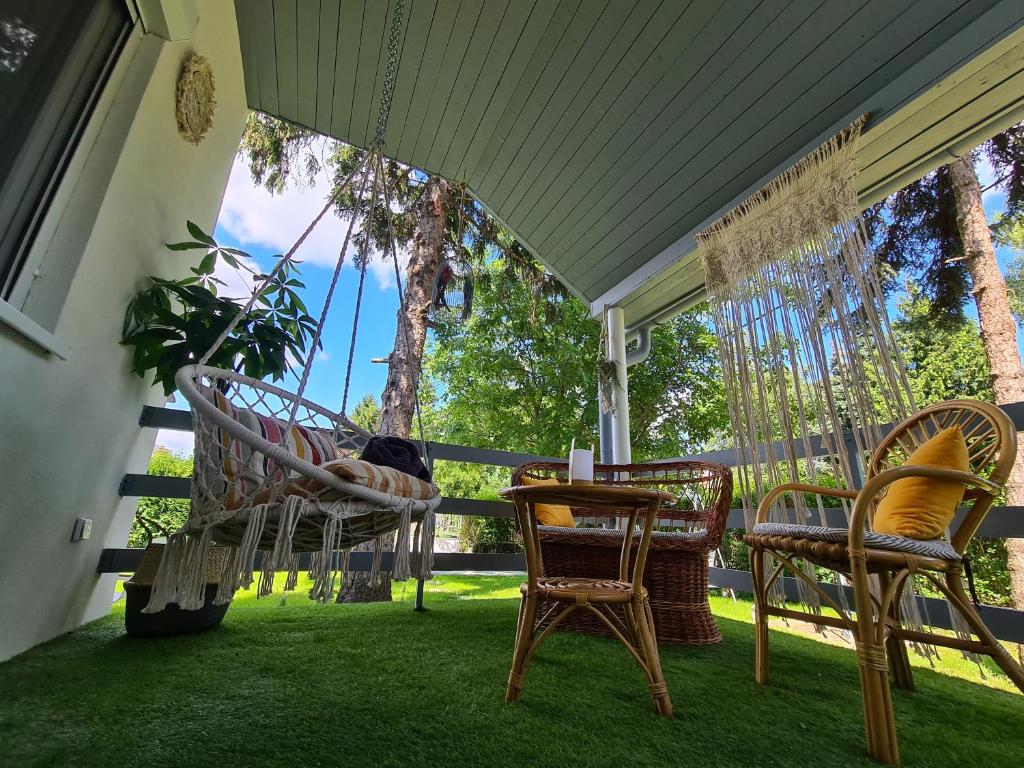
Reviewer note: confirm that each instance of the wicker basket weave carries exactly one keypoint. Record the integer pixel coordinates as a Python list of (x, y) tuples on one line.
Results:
[(172, 620), (676, 575)]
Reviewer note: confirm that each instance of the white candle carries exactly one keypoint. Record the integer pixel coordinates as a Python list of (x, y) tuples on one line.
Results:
[(581, 465)]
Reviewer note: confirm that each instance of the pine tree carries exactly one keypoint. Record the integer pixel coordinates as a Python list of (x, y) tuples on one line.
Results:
[(432, 219), (937, 227)]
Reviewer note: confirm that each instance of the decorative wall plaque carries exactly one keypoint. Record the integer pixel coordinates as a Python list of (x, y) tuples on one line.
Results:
[(196, 103)]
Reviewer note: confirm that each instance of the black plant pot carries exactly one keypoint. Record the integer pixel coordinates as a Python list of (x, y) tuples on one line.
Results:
[(171, 620)]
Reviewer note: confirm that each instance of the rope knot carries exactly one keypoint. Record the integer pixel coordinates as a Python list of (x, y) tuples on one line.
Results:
[(872, 657)]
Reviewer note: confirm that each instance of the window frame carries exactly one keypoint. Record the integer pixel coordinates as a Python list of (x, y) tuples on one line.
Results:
[(26, 257)]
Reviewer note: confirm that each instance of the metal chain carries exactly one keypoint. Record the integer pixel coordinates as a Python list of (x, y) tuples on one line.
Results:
[(391, 73)]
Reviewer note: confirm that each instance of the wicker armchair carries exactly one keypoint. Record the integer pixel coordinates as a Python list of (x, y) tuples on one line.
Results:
[(676, 575), (857, 552)]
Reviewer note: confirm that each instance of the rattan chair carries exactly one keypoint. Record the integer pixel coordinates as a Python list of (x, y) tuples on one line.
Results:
[(676, 577), (563, 594), (857, 552)]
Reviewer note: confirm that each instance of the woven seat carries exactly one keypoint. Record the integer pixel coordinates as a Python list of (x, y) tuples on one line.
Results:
[(584, 590), (829, 546), (691, 541)]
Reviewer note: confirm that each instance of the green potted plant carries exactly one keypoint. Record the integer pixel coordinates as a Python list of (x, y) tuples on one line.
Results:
[(172, 323)]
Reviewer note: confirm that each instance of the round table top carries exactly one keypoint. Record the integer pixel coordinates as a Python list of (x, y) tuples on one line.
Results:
[(586, 495)]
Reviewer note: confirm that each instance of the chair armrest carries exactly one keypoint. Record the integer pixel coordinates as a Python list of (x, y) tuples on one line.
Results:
[(817, 490), (882, 480)]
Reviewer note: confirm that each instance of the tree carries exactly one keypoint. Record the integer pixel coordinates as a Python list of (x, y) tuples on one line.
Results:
[(166, 514), (522, 375), (430, 218), (937, 226), (427, 249), (1010, 232), (942, 363), (366, 414)]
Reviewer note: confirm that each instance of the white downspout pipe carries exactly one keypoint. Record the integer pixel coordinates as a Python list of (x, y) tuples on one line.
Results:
[(643, 338), (621, 449), (643, 346)]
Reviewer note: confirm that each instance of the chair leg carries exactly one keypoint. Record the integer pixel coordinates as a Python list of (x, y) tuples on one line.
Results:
[(995, 649), (633, 634), (524, 639), (895, 647), (879, 720), (757, 558), (648, 649), (899, 662)]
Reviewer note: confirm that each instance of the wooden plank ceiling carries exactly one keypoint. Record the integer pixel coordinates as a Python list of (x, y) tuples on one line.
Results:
[(605, 132)]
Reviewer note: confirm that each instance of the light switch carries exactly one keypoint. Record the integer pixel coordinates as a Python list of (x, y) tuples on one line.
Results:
[(82, 529)]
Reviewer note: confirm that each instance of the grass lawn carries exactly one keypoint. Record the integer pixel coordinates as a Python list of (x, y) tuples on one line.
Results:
[(286, 682)]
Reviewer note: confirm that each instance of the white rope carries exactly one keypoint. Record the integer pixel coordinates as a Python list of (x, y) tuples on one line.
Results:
[(356, 312), (803, 335), (308, 366)]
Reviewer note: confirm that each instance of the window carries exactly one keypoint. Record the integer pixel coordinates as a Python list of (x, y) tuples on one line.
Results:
[(54, 59)]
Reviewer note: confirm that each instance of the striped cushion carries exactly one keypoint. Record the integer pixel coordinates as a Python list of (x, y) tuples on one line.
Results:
[(244, 469), (936, 548), (384, 479)]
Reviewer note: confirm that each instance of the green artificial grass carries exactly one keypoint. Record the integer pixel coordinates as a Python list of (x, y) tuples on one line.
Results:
[(286, 682)]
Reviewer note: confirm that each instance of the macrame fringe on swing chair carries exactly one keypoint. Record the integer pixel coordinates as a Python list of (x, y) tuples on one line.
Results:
[(271, 471)]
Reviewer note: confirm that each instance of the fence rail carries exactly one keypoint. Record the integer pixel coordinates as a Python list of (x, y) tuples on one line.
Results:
[(1001, 522)]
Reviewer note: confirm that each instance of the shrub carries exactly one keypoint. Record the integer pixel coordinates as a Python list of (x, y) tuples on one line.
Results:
[(168, 514)]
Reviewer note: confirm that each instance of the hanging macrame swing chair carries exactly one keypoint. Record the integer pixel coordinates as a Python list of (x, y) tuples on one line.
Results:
[(271, 474)]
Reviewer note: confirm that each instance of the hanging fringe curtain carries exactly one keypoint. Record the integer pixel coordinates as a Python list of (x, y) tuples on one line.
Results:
[(804, 340)]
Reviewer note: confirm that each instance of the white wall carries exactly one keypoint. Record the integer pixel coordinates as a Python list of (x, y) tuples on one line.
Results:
[(70, 427)]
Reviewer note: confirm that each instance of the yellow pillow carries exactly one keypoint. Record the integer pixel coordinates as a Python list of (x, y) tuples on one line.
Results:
[(550, 514), (921, 507)]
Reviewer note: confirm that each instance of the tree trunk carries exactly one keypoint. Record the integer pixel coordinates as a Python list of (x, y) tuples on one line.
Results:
[(998, 330), (398, 401)]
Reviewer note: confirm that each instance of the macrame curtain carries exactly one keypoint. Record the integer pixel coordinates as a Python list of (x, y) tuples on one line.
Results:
[(805, 344)]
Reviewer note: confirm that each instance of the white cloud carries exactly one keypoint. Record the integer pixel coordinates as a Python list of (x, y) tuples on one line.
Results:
[(323, 356), (255, 217), (986, 173)]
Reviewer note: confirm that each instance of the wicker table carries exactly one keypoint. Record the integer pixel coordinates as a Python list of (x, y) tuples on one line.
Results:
[(566, 594)]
